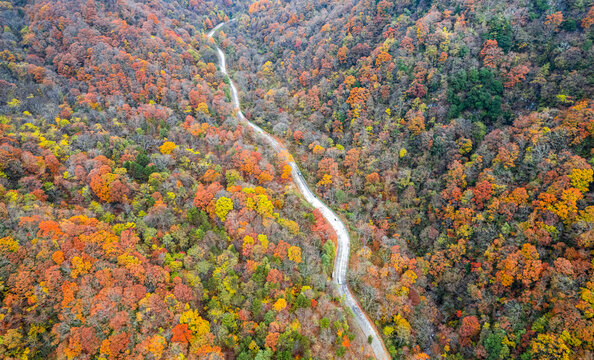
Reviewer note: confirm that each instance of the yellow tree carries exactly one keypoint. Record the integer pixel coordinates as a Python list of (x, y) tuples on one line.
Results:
[(222, 207), (581, 179), (280, 304), (549, 346), (264, 206), (167, 147), (294, 254)]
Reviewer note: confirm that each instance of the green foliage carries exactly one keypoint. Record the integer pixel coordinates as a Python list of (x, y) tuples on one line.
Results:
[(477, 91), (340, 196), (269, 317), (264, 355), (479, 130), (328, 256), (139, 168), (199, 219), (540, 325), (302, 301), (494, 346), (541, 5), (569, 25), (501, 30)]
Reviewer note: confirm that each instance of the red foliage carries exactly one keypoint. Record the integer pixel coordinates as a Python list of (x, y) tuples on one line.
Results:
[(204, 195), (469, 328), (181, 334), (482, 193)]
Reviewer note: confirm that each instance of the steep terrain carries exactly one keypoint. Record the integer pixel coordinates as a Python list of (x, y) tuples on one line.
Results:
[(138, 219), (457, 140), (339, 274)]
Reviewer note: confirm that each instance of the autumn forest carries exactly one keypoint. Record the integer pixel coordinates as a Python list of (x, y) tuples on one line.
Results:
[(142, 216)]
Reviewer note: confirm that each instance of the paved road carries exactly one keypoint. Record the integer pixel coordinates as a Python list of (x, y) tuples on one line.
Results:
[(342, 256)]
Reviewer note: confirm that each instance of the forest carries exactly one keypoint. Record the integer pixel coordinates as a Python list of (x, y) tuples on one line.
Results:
[(139, 219)]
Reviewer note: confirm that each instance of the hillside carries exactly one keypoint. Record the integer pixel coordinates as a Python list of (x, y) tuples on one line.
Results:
[(141, 218), (138, 219), (456, 137)]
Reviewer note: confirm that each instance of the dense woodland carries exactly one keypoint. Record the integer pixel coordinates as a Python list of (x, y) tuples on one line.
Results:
[(456, 137), (139, 220)]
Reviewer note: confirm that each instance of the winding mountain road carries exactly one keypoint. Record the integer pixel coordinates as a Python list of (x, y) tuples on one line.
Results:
[(342, 257)]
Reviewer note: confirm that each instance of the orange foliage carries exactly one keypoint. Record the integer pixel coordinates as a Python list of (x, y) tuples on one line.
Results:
[(204, 195), (491, 53), (272, 340), (107, 186), (588, 20), (516, 75), (181, 333), (382, 58), (342, 54), (554, 19), (357, 97)]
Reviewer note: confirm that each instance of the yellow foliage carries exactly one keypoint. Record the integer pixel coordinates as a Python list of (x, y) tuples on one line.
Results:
[(222, 207), (203, 108), (549, 346), (587, 302), (581, 179), (263, 241), (587, 214), (196, 323), (79, 266), (318, 149), (34, 330), (127, 259), (326, 180), (291, 225), (402, 327), (14, 103), (403, 152), (8, 244), (566, 208), (409, 277), (294, 254), (465, 146), (248, 190), (264, 206), (250, 203), (157, 345), (280, 304), (253, 346), (118, 228), (167, 147), (105, 344), (248, 240), (565, 99), (267, 69)]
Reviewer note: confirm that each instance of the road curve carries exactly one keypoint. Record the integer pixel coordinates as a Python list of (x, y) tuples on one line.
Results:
[(342, 256)]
